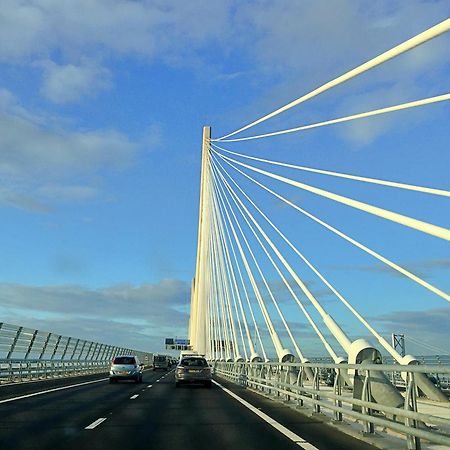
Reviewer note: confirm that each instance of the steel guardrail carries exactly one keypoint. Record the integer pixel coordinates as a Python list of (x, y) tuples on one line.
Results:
[(288, 382)]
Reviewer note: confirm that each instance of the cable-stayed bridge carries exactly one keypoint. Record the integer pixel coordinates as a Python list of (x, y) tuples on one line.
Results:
[(251, 291)]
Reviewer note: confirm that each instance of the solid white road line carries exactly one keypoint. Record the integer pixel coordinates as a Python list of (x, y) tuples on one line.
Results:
[(272, 422), (50, 390), (134, 396), (95, 424)]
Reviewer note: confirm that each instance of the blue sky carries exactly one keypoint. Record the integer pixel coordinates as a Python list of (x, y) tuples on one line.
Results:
[(102, 105)]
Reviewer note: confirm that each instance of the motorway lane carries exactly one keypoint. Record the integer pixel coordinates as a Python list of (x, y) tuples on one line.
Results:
[(191, 417), (53, 419), (161, 417), (29, 387)]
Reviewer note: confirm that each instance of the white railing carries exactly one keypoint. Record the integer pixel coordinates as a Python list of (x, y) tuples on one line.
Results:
[(304, 385)]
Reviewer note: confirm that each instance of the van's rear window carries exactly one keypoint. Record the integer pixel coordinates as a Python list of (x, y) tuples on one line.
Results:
[(124, 360)]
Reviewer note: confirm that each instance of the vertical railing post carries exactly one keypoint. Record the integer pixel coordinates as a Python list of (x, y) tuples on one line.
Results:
[(14, 343), (299, 384), (79, 357), (367, 397), (30, 345), (56, 347), (66, 348), (63, 356), (75, 348), (337, 389), (413, 442), (104, 348), (316, 387), (44, 347)]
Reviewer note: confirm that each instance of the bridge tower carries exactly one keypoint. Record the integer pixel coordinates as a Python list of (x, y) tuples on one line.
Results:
[(198, 318)]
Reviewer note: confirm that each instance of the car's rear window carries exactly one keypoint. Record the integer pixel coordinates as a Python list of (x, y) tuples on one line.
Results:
[(198, 362), (160, 358), (124, 360)]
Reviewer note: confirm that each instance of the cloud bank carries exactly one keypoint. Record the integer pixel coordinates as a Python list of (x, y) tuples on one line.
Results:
[(123, 314)]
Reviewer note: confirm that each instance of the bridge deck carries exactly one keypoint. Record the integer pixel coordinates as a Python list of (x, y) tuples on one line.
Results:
[(159, 417)]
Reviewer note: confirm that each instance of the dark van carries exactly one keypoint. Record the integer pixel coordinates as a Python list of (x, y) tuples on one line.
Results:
[(160, 362)]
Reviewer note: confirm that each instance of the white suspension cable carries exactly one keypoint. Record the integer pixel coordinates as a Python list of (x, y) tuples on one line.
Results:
[(272, 332), (220, 339), (280, 313), (234, 286), (220, 294), (223, 318), (226, 280), (241, 207), (258, 267), (419, 39), (255, 325), (222, 299), (356, 243), (380, 338), (214, 298), (410, 187), (375, 112), (248, 270), (210, 312), (330, 323), (424, 227)]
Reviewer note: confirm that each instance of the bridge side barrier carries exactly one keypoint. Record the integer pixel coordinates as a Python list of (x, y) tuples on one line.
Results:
[(274, 380), (29, 354)]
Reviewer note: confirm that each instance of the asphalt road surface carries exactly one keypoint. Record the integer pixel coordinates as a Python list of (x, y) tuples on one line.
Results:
[(154, 415)]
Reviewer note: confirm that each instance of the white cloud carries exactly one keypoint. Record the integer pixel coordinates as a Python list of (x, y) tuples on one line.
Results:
[(26, 147), (64, 193), (32, 144), (302, 44), (67, 83), (14, 199), (40, 155), (105, 315), (148, 28)]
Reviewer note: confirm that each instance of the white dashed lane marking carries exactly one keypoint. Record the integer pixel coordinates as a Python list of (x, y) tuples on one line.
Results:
[(95, 424), (134, 396)]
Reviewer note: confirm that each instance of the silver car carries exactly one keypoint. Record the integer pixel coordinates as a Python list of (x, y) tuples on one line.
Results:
[(126, 368), (193, 369)]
